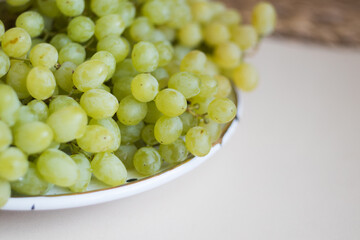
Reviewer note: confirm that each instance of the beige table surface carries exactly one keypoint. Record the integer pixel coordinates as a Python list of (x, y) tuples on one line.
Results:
[(292, 171)]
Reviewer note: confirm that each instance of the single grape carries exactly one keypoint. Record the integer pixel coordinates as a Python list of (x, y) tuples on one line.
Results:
[(72, 52), (175, 152), (17, 3), (111, 24), (71, 8), (4, 64), (193, 62), (229, 17), (246, 77), (60, 40), (167, 130), (13, 164), (189, 121), (227, 55), (127, 12), (111, 125), (48, 8), (166, 52), (144, 87), (216, 33), (40, 83), (99, 104), (5, 192), (60, 102), (124, 69), (2, 29), (64, 74), (190, 35), (141, 29), (81, 29), (44, 55), (40, 109), (16, 42), (147, 135), (147, 161), (117, 46), (157, 11), (108, 59), (6, 137), (201, 11), (198, 142), (222, 110), (96, 139), (32, 22), (84, 178), (16, 78), (208, 86), (186, 83), (9, 104), (90, 75), (263, 18), (126, 154), (130, 134), (171, 102), (244, 36), (153, 113), (145, 57), (104, 7), (131, 111), (180, 14), (122, 88), (224, 86)]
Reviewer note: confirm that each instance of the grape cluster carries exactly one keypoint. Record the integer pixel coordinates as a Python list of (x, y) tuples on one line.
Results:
[(98, 87)]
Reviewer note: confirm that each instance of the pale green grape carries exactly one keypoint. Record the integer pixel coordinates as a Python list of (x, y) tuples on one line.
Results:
[(171, 102), (122, 88), (58, 168), (131, 111), (208, 86), (147, 161), (6, 137), (189, 121), (190, 35), (63, 76), (127, 12), (263, 18), (229, 17), (117, 46), (68, 123), (5, 192), (193, 62), (216, 33), (13, 164), (227, 55), (181, 52), (90, 75), (84, 173), (60, 40), (175, 152), (245, 77), (99, 104), (104, 7), (124, 69), (144, 87), (153, 113), (81, 29), (157, 11), (24, 115), (145, 57), (222, 110), (9, 104), (168, 32), (201, 11), (198, 141), (213, 128), (60, 102), (16, 78), (157, 36), (2, 28), (17, 3), (244, 36), (32, 22), (224, 86), (166, 52), (96, 139), (111, 125), (126, 154), (109, 169), (44, 55), (111, 24), (162, 77), (48, 8), (72, 52), (71, 8), (180, 14), (186, 83), (4, 64), (16, 42), (141, 29), (40, 109), (167, 129), (130, 134), (200, 105), (40, 83), (147, 135), (108, 59)]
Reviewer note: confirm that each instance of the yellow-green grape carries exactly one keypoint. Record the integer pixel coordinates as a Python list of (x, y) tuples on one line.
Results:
[(72, 52), (63, 76), (216, 33), (124, 69), (147, 161), (111, 24), (99, 104), (60, 102), (144, 87), (127, 12), (57, 168), (162, 77), (208, 86), (16, 42), (157, 11), (198, 141), (48, 8), (2, 28), (224, 86), (153, 113), (60, 40), (145, 57), (244, 36), (157, 36), (104, 7), (229, 17), (40, 83), (227, 55), (263, 18), (32, 22), (130, 134), (141, 29), (117, 46), (90, 75), (17, 3), (5, 192), (246, 77), (96, 139), (13, 164), (24, 115), (83, 181), (166, 52), (131, 111), (190, 35), (181, 52), (193, 62), (147, 135), (126, 154), (175, 152), (68, 123), (4, 64), (211, 68), (108, 59), (109, 169), (81, 29), (201, 11), (111, 125), (16, 78), (5, 136), (43, 54), (214, 129), (167, 130), (33, 137), (9, 104), (180, 14), (122, 88), (71, 8), (171, 102), (32, 183), (40, 109), (188, 121), (222, 110), (168, 32), (186, 83), (200, 105)]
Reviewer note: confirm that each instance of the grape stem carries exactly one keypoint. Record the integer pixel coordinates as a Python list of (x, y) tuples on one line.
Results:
[(196, 106), (89, 43)]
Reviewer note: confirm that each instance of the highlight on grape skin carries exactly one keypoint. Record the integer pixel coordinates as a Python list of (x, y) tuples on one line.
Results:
[(102, 87)]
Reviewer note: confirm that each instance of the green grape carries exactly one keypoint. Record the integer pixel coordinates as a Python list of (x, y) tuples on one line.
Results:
[(60, 102), (32, 22), (157, 11), (5, 136), (16, 78), (227, 55), (111, 125), (4, 64), (96, 139), (104, 7), (263, 18), (153, 113), (63, 76), (211, 68), (48, 8), (216, 33), (180, 14), (72, 52), (58, 168), (44, 55), (167, 130), (224, 86), (213, 128), (126, 11), (13, 164), (181, 52), (34, 42), (200, 105), (84, 173), (40, 83), (186, 83), (40, 109), (193, 62), (168, 32), (208, 86), (105, 87), (126, 154), (99, 104), (222, 110), (190, 35), (124, 69), (166, 52), (17, 3), (162, 77), (246, 77), (228, 17), (175, 152), (90, 75), (71, 8), (144, 87), (131, 111), (147, 134), (9, 104), (111, 24), (24, 115), (32, 183), (5, 192), (201, 11), (145, 57), (189, 121), (147, 161), (157, 36), (141, 29), (122, 88), (198, 141), (81, 29), (68, 123), (119, 47), (109, 169), (2, 29), (130, 134), (171, 102), (60, 40), (16, 42), (108, 59), (244, 36)]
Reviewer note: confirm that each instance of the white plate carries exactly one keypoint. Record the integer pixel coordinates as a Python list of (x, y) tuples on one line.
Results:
[(60, 198)]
